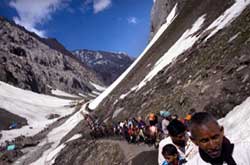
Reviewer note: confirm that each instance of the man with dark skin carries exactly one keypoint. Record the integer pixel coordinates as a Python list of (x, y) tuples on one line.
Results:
[(214, 147)]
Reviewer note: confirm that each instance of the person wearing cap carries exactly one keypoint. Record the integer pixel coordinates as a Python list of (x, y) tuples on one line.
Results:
[(165, 122)]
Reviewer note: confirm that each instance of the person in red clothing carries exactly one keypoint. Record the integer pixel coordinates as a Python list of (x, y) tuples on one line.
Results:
[(153, 119)]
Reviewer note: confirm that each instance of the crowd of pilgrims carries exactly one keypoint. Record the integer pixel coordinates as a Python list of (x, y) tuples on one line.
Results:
[(197, 139), (135, 129)]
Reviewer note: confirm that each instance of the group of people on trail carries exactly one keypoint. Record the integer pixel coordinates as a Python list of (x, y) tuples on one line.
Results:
[(97, 129), (137, 130), (201, 143), (134, 130), (198, 139)]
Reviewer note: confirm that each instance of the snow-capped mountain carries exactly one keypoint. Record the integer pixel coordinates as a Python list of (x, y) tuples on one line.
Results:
[(108, 65), (30, 62), (198, 59)]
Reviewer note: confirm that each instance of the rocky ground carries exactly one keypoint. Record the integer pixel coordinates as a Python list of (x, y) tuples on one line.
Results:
[(212, 75), (8, 119), (30, 63), (25, 145), (107, 152), (85, 150)]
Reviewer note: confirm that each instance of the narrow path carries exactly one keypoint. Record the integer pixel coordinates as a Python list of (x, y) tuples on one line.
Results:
[(136, 154)]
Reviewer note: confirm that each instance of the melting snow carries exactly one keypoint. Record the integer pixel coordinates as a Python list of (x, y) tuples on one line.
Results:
[(116, 113), (98, 87), (124, 95), (98, 100), (31, 106), (58, 92), (185, 42), (52, 155), (237, 122), (56, 135), (234, 37), (96, 93), (228, 16), (76, 136)]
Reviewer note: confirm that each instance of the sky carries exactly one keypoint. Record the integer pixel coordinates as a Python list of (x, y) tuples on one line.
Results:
[(107, 25)]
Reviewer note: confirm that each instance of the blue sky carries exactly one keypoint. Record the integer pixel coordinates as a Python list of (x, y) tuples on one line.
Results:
[(109, 25)]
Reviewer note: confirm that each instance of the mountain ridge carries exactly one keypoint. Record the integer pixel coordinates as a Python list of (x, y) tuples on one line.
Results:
[(28, 62), (108, 65), (197, 65)]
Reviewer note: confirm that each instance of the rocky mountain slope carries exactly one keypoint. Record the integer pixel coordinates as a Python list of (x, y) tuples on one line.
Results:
[(160, 11), (34, 63), (106, 64), (200, 60)]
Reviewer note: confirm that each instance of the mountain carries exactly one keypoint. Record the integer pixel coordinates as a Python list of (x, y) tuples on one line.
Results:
[(197, 59), (107, 65), (39, 64)]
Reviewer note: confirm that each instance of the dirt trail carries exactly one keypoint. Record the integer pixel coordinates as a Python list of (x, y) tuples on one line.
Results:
[(136, 154)]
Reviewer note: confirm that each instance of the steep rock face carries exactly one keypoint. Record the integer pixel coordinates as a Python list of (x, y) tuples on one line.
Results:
[(212, 75), (29, 63), (160, 11), (107, 65)]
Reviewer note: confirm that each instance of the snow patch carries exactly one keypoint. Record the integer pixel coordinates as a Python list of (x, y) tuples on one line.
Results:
[(31, 106), (98, 87), (82, 95), (234, 37), (56, 135), (116, 113), (124, 95), (237, 122), (185, 42), (58, 92), (94, 104), (76, 136), (96, 93), (52, 155), (227, 17)]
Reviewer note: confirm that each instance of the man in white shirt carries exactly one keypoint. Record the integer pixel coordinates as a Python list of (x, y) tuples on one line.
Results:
[(214, 147), (165, 122), (179, 138)]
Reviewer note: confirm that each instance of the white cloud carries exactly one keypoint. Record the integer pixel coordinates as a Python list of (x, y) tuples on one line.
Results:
[(100, 5), (30, 27), (132, 20), (31, 12)]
